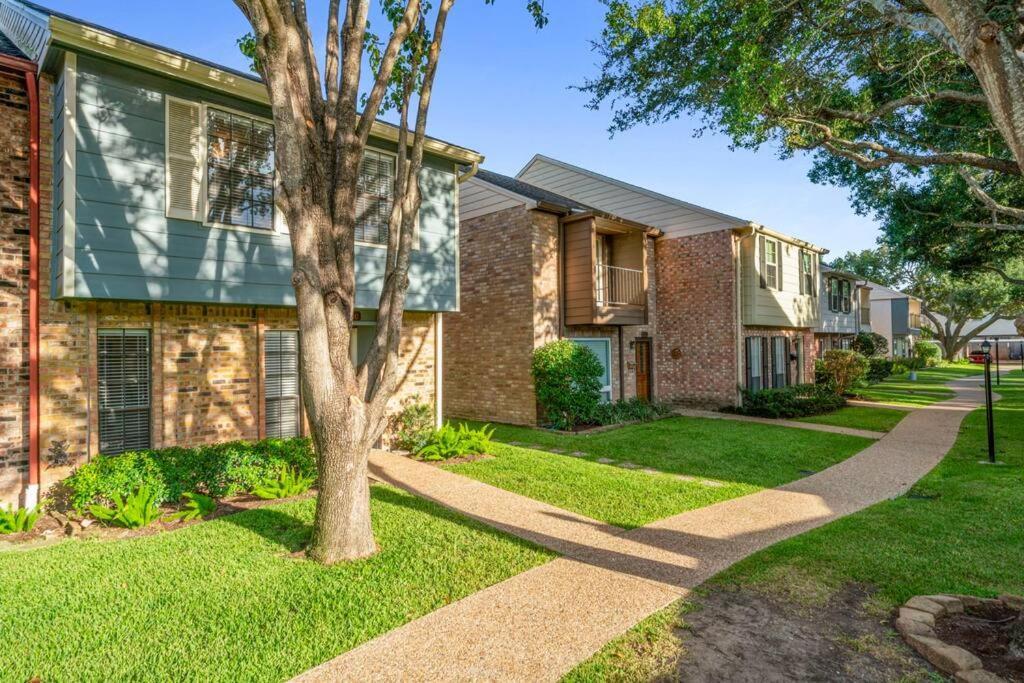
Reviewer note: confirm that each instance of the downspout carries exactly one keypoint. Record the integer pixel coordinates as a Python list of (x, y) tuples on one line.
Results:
[(738, 303), (469, 173)]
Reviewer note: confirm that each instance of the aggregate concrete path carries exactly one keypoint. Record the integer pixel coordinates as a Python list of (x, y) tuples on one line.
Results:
[(813, 426), (539, 624)]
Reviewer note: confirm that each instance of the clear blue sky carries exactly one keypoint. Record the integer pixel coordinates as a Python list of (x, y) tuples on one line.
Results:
[(504, 89)]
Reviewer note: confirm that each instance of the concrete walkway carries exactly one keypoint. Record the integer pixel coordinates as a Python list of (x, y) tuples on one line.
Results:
[(813, 426), (539, 624)]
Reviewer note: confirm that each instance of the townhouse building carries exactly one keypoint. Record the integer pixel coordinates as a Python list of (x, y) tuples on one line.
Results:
[(147, 297), (845, 301)]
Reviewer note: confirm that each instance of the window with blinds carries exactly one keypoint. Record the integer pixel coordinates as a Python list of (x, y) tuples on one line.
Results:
[(239, 170), (123, 358), (281, 385), (376, 195), (780, 362), (755, 364)]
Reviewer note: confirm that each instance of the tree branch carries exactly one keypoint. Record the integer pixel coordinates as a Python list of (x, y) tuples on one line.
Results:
[(898, 15), (908, 101)]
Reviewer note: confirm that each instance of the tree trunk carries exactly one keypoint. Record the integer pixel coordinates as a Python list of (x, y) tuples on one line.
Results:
[(991, 55)]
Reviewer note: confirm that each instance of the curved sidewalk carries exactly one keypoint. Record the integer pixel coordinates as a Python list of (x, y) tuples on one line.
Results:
[(539, 624)]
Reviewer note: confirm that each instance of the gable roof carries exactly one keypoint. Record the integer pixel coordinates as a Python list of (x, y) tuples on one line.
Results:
[(33, 29), (674, 217), (532, 192)]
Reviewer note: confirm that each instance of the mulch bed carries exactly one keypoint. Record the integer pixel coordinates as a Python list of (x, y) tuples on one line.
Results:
[(985, 631), (55, 525)]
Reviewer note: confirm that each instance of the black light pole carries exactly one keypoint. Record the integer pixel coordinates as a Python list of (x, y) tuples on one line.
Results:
[(986, 348)]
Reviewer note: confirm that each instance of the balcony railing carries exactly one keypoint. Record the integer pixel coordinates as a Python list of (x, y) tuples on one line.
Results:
[(618, 286), (915, 321)]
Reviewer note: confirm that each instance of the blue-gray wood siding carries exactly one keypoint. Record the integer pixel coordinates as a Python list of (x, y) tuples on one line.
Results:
[(901, 316), (126, 248)]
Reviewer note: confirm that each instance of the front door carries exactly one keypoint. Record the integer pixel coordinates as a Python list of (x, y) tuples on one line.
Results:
[(642, 348)]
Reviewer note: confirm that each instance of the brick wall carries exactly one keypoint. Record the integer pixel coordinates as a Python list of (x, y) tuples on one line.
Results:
[(14, 243), (487, 344), (695, 348)]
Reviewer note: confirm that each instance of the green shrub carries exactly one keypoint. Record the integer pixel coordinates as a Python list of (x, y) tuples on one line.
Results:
[(843, 370), (870, 344), (134, 512), (16, 521), (197, 506), (567, 377), (217, 470), (449, 442), (878, 369), (413, 426), (288, 482), (927, 354), (629, 410), (790, 402)]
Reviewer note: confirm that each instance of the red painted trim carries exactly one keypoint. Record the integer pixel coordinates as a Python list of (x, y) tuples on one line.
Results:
[(33, 278)]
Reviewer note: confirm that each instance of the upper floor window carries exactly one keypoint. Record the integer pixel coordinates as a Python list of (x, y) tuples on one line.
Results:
[(806, 273), (240, 170), (771, 271), (376, 196), (840, 295)]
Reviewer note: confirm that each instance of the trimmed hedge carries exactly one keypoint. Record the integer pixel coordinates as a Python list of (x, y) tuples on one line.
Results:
[(567, 380), (217, 470), (801, 400), (878, 369), (630, 410)]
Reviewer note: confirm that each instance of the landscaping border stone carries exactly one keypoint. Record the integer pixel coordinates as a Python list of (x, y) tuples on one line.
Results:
[(916, 623)]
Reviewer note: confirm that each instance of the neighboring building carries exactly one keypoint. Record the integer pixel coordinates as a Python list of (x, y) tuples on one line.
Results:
[(728, 303), (1006, 341), (845, 301), (166, 310), (897, 317)]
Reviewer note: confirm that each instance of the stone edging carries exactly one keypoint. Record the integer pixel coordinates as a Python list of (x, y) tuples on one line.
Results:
[(916, 623)]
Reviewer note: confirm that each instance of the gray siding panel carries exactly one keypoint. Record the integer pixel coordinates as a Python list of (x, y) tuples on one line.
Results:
[(126, 248)]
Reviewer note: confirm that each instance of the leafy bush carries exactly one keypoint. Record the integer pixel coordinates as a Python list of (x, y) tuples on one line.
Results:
[(790, 402), (927, 354), (290, 481), (870, 344), (629, 410), (878, 369), (843, 370), (138, 510), (16, 521), (217, 470), (900, 366), (413, 426), (449, 442), (567, 377), (196, 506)]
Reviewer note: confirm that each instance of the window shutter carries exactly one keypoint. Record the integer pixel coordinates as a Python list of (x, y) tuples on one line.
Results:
[(281, 388), (123, 388), (763, 261), (746, 362), (185, 159)]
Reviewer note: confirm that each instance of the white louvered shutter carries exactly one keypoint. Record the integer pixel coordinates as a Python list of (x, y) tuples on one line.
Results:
[(185, 154)]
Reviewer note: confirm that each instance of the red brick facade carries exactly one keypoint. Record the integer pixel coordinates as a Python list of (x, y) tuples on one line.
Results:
[(14, 270)]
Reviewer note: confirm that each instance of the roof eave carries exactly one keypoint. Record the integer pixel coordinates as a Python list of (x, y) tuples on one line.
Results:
[(91, 39)]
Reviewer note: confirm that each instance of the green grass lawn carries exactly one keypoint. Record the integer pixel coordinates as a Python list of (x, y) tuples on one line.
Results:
[(926, 390), (860, 417), (736, 457), (224, 601), (960, 530)]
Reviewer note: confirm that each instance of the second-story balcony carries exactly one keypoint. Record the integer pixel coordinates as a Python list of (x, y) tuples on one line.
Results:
[(605, 266)]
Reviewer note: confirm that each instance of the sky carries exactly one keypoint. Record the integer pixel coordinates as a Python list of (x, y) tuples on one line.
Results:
[(504, 89)]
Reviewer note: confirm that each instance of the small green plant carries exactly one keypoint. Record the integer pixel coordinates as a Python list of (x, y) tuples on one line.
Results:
[(16, 521), (878, 369), (800, 400), (843, 370), (630, 410), (196, 506), (567, 378), (449, 442), (134, 512), (870, 344), (290, 481), (413, 426), (928, 354)]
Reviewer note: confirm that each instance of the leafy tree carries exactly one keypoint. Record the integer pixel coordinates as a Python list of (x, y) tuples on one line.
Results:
[(917, 105), (879, 265), (322, 126)]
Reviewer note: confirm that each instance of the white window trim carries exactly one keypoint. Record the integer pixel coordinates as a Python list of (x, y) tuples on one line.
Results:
[(416, 223), (776, 266), (611, 370)]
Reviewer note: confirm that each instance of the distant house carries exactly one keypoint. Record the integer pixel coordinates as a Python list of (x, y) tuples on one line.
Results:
[(166, 311), (845, 302), (896, 316), (681, 303)]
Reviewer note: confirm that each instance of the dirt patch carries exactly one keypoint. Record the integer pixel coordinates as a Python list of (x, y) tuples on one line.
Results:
[(984, 630), (742, 635)]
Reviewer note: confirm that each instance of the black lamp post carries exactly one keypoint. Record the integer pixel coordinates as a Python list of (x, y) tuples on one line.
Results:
[(986, 348)]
